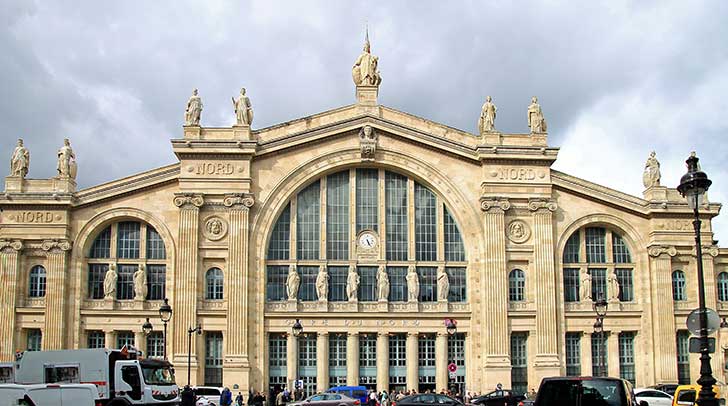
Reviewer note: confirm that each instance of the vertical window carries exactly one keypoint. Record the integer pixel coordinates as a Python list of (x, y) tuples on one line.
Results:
[(595, 246), (128, 240), (337, 283), (337, 216), (280, 239), (155, 245), (683, 358), (626, 288), (308, 222), (96, 274), (519, 365), (571, 284), (599, 283), (367, 283), (397, 360), (276, 282), (425, 224), (397, 283), (456, 349), (101, 247), (125, 281), (307, 362), (396, 216), (156, 281), (337, 359), (428, 283), (96, 339), (213, 358), (620, 250), (626, 356), (35, 338), (600, 366), (155, 345), (368, 360), (124, 338), (454, 249), (426, 350), (572, 249), (307, 290), (723, 286), (214, 282), (516, 285), (573, 354), (277, 360), (456, 276), (37, 283), (678, 286), (367, 199)]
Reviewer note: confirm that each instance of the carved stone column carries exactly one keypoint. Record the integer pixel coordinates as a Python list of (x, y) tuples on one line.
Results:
[(586, 353), (613, 353), (237, 364), (663, 317), (9, 265), (110, 338), (185, 278), (55, 299), (382, 362), (494, 285), (412, 357), (547, 353), (292, 359), (441, 379), (140, 342), (352, 359), (322, 361)]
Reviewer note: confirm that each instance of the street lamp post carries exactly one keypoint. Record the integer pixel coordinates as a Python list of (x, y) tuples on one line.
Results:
[(165, 314), (693, 186), (191, 331), (451, 325), (296, 329), (147, 328), (600, 308)]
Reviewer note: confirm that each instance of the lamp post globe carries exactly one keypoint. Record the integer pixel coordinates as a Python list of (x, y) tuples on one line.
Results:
[(297, 328), (165, 311), (451, 326), (147, 327), (600, 305), (694, 183)]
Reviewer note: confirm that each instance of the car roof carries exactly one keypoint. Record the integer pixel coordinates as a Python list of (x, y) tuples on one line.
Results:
[(640, 390), (582, 378)]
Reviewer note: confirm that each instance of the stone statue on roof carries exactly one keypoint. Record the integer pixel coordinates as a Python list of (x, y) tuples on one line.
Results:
[(194, 109), (365, 71), (486, 123), (243, 109), (651, 176), (66, 161), (20, 160), (536, 121)]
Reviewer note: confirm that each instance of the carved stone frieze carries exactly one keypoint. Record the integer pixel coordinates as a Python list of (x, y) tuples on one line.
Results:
[(56, 245), (518, 231), (542, 204), (657, 250), (189, 200), (368, 142), (239, 201), (494, 203), (215, 228), (10, 245)]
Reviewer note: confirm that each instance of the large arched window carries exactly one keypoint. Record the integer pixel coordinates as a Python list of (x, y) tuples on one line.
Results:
[(370, 217), (214, 283), (678, 286), (37, 282), (601, 252), (516, 285), (129, 246), (723, 286)]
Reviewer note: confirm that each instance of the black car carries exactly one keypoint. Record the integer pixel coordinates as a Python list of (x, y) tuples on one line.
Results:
[(428, 399), (499, 397), (586, 391)]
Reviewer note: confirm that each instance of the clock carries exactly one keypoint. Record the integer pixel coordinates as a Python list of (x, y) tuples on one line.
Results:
[(368, 240)]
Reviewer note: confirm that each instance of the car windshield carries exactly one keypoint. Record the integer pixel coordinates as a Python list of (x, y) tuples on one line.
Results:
[(591, 392), (158, 375)]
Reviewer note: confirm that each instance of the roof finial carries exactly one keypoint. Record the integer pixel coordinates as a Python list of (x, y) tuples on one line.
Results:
[(366, 40)]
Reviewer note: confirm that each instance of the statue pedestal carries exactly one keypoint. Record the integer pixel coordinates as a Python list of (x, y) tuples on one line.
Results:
[(491, 137), (351, 306), (14, 184), (441, 306), (242, 133), (322, 305), (411, 306), (654, 194), (292, 305), (192, 132), (367, 95), (109, 303), (382, 306), (64, 185)]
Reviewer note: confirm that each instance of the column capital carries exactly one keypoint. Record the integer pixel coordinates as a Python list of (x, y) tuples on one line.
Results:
[(239, 201), (55, 246), (10, 246), (413, 334), (711, 250), (494, 204), (188, 200), (658, 250), (541, 204), (323, 333)]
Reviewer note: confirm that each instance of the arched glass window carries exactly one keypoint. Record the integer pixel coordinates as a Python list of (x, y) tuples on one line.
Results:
[(366, 213), (723, 286), (516, 285), (214, 283), (37, 285), (678, 286), (127, 245)]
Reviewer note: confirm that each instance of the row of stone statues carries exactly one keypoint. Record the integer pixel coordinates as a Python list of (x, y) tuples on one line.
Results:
[(242, 107), (66, 166), (140, 282), (536, 121), (613, 289), (293, 283)]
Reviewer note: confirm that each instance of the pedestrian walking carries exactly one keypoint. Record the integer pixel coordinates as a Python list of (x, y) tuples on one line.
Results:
[(188, 396), (239, 399), (226, 397)]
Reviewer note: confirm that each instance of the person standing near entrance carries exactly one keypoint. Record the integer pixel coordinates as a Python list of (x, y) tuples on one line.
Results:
[(239, 399), (226, 397)]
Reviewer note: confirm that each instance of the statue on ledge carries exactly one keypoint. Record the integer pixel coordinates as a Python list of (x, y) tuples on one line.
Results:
[(110, 282), (322, 283), (66, 161), (140, 283), (243, 109), (614, 287), (293, 281), (194, 109), (486, 123), (365, 71), (352, 283), (383, 283), (535, 117), (20, 160), (443, 284), (413, 284), (586, 287), (651, 176)]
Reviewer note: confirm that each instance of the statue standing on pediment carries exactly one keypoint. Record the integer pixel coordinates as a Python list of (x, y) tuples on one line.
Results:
[(443, 284), (352, 283), (20, 160), (586, 287), (243, 109), (413, 284), (140, 283), (110, 282), (66, 161), (536, 121), (365, 71), (293, 282), (382, 283), (322, 283), (194, 109), (486, 123), (651, 176)]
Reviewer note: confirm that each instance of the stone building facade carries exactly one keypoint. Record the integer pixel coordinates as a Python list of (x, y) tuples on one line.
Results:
[(433, 222)]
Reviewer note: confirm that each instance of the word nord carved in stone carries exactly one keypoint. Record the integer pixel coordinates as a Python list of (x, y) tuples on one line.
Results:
[(35, 217), (516, 174), (215, 168)]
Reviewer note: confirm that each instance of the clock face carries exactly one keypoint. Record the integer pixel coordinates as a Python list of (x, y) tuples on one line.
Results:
[(367, 240)]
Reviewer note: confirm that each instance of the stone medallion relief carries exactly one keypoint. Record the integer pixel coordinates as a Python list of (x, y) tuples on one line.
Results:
[(518, 231), (215, 228)]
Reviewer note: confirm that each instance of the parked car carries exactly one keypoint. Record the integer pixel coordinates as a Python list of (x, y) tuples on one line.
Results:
[(499, 397), (354, 392), (688, 394), (427, 399), (327, 399), (207, 395), (668, 388), (586, 391), (653, 397), (70, 394)]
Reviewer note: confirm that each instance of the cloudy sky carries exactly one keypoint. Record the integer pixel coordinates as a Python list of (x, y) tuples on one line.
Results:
[(616, 79)]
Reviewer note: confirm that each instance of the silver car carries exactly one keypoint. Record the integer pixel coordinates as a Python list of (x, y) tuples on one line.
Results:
[(327, 399)]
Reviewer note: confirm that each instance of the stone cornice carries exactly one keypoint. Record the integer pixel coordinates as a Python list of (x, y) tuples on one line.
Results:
[(494, 204), (55, 246), (537, 204), (239, 201), (188, 200), (134, 183), (598, 192), (8, 246), (657, 250)]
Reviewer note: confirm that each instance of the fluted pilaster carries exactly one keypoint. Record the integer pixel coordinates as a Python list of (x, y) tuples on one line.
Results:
[(9, 264), (441, 377), (665, 351), (382, 362), (412, 357), (322, 361), (55, 301), (352, 359)]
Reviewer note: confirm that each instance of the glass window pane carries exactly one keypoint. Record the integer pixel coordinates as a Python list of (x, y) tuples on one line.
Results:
[(155, 244), (156, 282), (573, 354), (454, 249), (458, 284), (620, 250), (213, 358), (101, 248), (595, 246), (626, 287), (307, 290), (37, 283), (683, 358), (600, 357), (723, 286), (124, 338), (428, 283), (599, 283), (571, 251), (155, 345), (398, 283), (125, 281), (425, 224), (396, 216), (426, 354), (337, 283), (128, 240), (337, 354), (367, 199), (678, 286), (571, 284), (281, 237), (96, 274), (308, 222), (516, 285), (367, 283), (96, 339), (277, 350), (456, 350), (276, 282), (626, 356), (337, 216), (35, 339), (519, 365), (214, 281)]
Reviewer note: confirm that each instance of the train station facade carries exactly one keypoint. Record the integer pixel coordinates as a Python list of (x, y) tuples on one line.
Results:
[(371, 226)]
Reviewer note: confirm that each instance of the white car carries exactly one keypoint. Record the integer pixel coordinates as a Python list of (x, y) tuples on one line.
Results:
[(207, 395), (653, 397)]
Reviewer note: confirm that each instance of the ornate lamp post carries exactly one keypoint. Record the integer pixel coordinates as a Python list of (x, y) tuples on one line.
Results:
[(451, 325), (296, 329), (147, 327), (600, 308), (693, 186), (165, 314), (191, 331)]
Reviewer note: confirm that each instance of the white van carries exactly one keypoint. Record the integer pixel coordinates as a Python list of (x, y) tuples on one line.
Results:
[(48, 395)]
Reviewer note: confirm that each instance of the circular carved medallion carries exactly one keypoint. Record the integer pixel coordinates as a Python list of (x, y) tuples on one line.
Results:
[(215, 228), (518, 231)]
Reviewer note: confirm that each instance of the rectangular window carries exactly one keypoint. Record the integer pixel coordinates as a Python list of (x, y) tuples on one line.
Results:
[(155, 345), (35, 339), (595, 246), (127, 243), (307, 290), (307, 350), (155, 245), (368, 350), (428, 283), (571, 251), (276, 276), (156, 281), (456, 351), (124, 338), (426, 350), (396, 216), (571, 284), (458, 284), (213, 358), (278, 350), (308, 222), (599, 283), (125, 281), (626, 356), (367, 283), (337, 350), (683, 358), (620, 250), (519, 365), (280, 239), (454, 250), (573, 354), (397, 359), (397, 283), (96, 339), (96, 274), (600, 364), (626, 288), (337, 283), (337, 216), (367, 199), (101, 247), (425, 224)]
